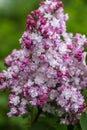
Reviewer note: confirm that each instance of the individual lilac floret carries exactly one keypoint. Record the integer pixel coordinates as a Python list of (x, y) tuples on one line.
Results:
[(49, 71)]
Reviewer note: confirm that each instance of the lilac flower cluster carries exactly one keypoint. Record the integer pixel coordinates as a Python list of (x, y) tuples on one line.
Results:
[(49, 71)]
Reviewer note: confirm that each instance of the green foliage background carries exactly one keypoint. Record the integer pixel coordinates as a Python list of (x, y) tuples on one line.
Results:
[(12, 24)]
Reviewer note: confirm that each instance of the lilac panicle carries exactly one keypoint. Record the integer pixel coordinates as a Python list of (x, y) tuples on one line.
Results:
[(49, 71)]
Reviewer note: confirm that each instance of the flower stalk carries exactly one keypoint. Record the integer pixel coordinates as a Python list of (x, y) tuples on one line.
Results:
[(70, 127)]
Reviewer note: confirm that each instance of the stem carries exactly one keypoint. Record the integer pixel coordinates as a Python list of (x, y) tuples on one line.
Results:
[(70, 127), (37, 116), (79, 127)]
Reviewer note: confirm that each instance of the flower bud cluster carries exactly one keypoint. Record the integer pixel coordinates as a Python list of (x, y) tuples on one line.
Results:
[(49, 71)]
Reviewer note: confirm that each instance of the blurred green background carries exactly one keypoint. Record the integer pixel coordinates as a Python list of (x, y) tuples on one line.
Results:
[(12, 24)]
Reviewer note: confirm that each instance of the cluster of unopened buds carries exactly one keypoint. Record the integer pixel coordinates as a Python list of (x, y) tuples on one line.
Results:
[(49, 71)]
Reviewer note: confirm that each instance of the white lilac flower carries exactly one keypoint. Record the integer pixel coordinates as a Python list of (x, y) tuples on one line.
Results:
[(15, 100)]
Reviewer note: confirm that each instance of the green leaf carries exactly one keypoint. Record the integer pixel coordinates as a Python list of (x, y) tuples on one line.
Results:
[(84, 93), (41, 126), (86, 59), (61, 127), (83, 121), (52, 121), (76, 128)]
